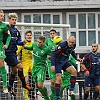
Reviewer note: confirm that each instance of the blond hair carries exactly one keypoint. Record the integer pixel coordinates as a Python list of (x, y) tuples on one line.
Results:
[(1, 11), (12, 15)]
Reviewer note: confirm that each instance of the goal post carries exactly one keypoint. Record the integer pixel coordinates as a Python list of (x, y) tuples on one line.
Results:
[(37, 29)]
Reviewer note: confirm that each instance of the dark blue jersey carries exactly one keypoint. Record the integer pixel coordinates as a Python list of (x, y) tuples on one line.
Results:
[(62, 52), (15, 39), (92, 63)]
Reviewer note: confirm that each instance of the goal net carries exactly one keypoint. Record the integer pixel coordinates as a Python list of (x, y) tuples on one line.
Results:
[(37, 29)]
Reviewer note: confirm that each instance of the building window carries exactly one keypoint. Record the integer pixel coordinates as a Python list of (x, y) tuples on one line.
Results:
[(46, 18), (99, 37), (36, 18), (72, 21), (82, 38), (56, 19), (99, 20), (27, 18), (82, 21), (91, 20), (73, 34), (91, 37)]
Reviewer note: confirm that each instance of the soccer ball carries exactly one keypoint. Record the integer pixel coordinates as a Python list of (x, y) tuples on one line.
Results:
[(57, 40)]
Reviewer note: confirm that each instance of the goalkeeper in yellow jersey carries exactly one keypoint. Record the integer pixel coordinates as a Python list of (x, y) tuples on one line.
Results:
[(25, 57)]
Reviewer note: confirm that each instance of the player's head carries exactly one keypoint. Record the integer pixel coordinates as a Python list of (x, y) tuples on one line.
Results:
[(71, 41), (41, 41), (57, 40), (28, 35), (12, 18), (94, 47), (53, 33), (1, 15)]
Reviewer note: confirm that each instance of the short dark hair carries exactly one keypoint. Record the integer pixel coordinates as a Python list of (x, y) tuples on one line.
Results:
[(29, 31), (42, 38), (53, 30)]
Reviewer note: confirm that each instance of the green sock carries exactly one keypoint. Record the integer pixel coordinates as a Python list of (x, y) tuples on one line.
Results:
[(43, 91), (53, 90), (61, 91), (4, 75)]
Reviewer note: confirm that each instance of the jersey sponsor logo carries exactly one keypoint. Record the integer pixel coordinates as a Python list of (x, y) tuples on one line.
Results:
[(42, 51), (59, 47)]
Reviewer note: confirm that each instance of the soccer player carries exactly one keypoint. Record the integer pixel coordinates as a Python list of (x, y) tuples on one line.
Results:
[(60, 62), (52, 75), (66, 76), (91, 66), (11, 57), (40, 52), (25, 57), (4, 33)]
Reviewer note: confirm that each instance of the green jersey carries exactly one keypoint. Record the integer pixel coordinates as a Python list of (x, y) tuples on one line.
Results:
[(50, 44), (3, 31), (72, 60), (39, 53)]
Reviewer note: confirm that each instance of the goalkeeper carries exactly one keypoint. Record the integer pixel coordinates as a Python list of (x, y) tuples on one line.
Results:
[(25, 57), (65, 75)]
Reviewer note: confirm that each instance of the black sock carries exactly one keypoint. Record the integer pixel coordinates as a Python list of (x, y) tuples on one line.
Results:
[(22, 78)]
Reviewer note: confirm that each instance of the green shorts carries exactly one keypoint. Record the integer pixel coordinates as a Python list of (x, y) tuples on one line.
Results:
[(2, 54), (66, 80), (39, 73), (52, 75)]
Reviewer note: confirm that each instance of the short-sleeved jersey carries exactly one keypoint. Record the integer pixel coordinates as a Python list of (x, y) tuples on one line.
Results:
[(50, 44), (39, 53), (92, 63), (3, 30), (26, 55)]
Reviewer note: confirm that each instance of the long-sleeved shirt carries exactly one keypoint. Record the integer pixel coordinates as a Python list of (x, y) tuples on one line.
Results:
[(5, 36), (15, 39), (92, 63), (62, 53)]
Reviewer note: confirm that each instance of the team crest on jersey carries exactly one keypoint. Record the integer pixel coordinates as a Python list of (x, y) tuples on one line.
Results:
[(42, 51), (59, 47)]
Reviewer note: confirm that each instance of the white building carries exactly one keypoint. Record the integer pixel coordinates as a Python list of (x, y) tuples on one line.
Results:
[(82, 15)]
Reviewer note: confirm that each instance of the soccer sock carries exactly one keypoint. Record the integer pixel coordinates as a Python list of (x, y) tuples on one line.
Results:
[(53, 90), (95, 95), (11, 80), (57, 88), (22, 78), (43, 91), (72, 81), (86, 96), (4, 75), (25, 93), (61, 91)]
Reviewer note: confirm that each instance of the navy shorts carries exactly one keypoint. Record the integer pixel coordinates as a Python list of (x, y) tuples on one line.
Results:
[(62, 66), (92, 81), (11, 59)]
